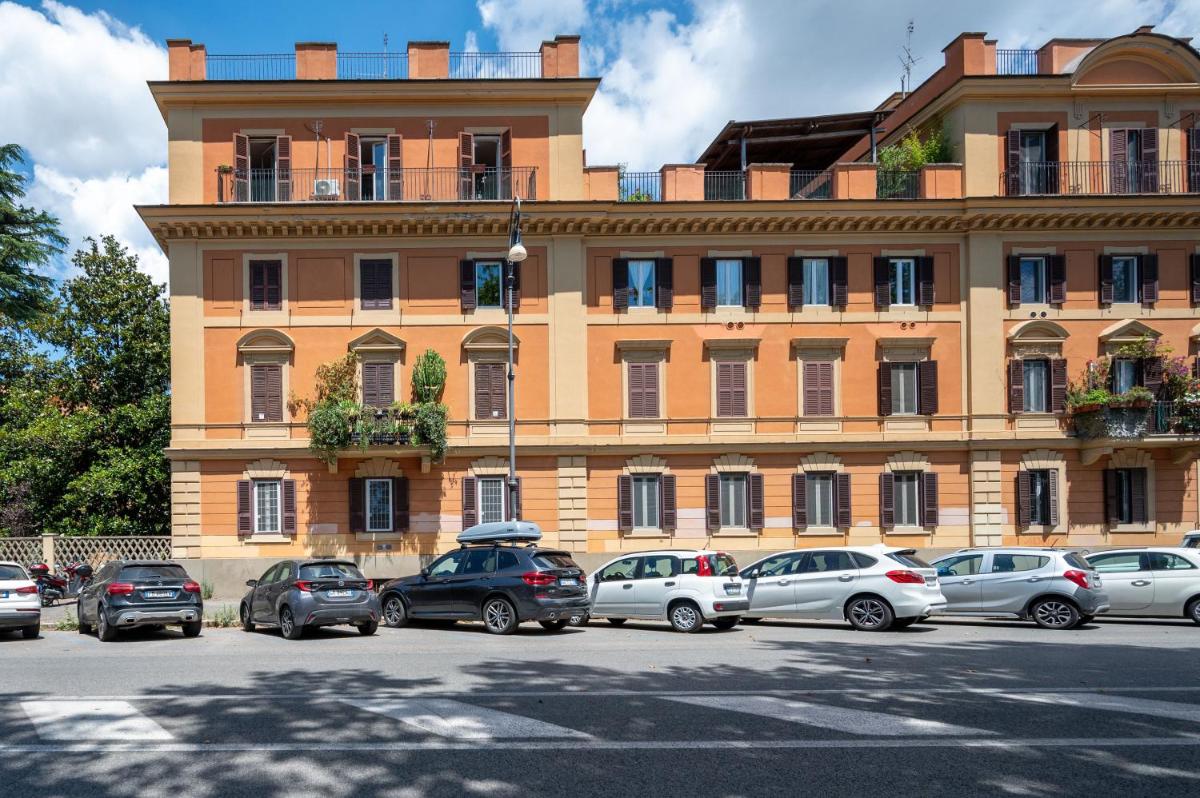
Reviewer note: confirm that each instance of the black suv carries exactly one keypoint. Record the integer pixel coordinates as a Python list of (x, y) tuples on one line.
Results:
[(130, 593), (502, 585)]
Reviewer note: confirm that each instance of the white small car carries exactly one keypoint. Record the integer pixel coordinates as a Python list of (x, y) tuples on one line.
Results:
[(1155, 582), (686, 587), (1191, 540), (873, 587), (20, 604)]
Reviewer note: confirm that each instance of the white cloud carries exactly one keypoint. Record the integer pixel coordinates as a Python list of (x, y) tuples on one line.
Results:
[(521, 25)]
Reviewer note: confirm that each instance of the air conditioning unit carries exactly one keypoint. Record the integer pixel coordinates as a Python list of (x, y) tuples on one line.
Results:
[(325, 188)]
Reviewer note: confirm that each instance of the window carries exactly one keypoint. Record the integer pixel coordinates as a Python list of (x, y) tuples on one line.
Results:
[(508, 561), (1125, 279), (1124, 374), (733, 500), (903, 274), (641, 284), (267, 507), (1126, 489), (378, 384), (965, 565), (645, 501), (1035, 171), (819, 499), (490, 394), (1040, 512), (1033, 281), (266, 392), (1162, 561), (262, 169), (816, 281), (479, 561), (825, 561), (375, 284), (328, 570), (904, 389), (374, 165), (448, 565), (266, 285), (731, 389), (659, 566), (729, 283), (818, 388), (643, 390), (1124, 563), (1036, 378), (1012, 563), (626, 568), (907, 498), (488, 284), (780, 565), (379, 505), (491, 499)]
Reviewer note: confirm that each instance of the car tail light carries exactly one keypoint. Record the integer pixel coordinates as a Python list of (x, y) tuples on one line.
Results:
[(703, 566), (1078, 577), (304, 586), (370, 584), (27, 590), (538, 578), (120, 589), (905, 577), (191, 587)]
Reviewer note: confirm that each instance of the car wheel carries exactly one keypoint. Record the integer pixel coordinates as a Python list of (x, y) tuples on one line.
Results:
[(31, 632), (499, 617), (395, 614), (288, 626), (367, 629), (1193, 610), (579, 620), (726, 623), (555, 626), (84, 628), (617, 621), (869, 614), (104, 631), (1052, 613), (247, 621), (685, 617), (192, 629)]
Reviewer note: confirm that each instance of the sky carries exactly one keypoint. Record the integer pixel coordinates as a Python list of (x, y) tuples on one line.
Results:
[(73, 75)]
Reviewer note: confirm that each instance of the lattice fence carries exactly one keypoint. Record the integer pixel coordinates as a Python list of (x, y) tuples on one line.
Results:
[(25, 551), (94, 551)]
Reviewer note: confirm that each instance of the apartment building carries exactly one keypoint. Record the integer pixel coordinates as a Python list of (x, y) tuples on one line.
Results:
[(778, 345)]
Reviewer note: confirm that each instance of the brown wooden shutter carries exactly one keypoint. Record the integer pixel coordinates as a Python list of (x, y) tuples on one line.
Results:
[(516, 287), (1024, 490), (885, 388), (1110, 496), (927, 387), (1014, 280), (395, 167), (375, 284), (670, 515), (1106, 279), (283, 168), (1118, 150), (1053, 479), (470, 512), (514, 511), (266, 393), (755, 501), (499, 394), (625, 502), (825, 377), (274, 393), (818, 389), (244, 521), (274, 280), (466, 285), (353, 168), (489, 391), (466, 166), (739, 394), (1194, 268), (887, 499), (379, 384), (241, 168), (505, 178), (841, 490), (370, 385), (1057, 266), (926, 289), (1016, 385), (839, 282), (636, 390), (258, 285), (620, 284), (357, 499), (1012, 162), (724, 389), (712, 500), (1148, 266), (1148, 161), (929, 498), (795, 290), (708, 284), (1152, 374), (258, 393), (400, 514), (883, 284), (1193, 160), (288, 487), (799, 501), (1058, 385), (650, 390), (1137, 477), (664, 283), (752, 277)]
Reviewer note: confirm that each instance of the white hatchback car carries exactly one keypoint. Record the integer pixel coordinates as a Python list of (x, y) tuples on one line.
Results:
[(1162, 582), (873, 587), (686, 587), (20, 604)]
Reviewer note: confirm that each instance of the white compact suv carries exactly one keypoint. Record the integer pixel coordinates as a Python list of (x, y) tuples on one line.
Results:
[(873, 587), (1162, 582), (20, 604), (686, 587)]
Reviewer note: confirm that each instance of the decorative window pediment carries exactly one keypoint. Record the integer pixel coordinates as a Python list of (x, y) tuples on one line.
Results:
[(484, 339), (376, 340), (1143, 58), (265, 342), (1127, 332)]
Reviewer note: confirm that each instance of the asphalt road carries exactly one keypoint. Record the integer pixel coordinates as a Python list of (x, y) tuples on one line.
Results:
[(779, 709)]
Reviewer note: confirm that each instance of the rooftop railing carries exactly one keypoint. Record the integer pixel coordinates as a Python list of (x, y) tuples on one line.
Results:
[(372, 66), (809, 184), (1016, 62), (269, 66), (725, 185), (445, 184), (894, 184), (492, 66), (1052, 178), (639, 187)]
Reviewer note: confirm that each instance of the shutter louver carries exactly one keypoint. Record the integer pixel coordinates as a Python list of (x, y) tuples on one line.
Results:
[(1016, 385), (1110, 496), (516, 287), (929, 498), (883, 284), (274, 393), (353, 168), (825, 376), (395, 169), (1106, 279), (795, 289), (799, 501), (483, 390), (754, 486), (379, 388), (241, 168), (712, 500), (927, 387), (841, 484), (670, 515), (636, 390), (375, 284), (752, 273), (288, 487), (1014, 280), (620, 284), (1152, 374), (283, 168), (887, 500), (885, 388), (1138, 505), (1053, 472), (1012, 162), (1148, 266), (470, 513), (839, 281), (1058, 385), (926, 289), (273, 278), (1118, 150), (625, 502), (258, 285), (708, 284), (724, 390), (664, 283), (1148, 161), (650, 390), (244, 521), (466, 285), (739, 389), (499, 394), (1024, 489), (1194, 264), (466, 166), (812, 390), (1057, 266), (400, 514)]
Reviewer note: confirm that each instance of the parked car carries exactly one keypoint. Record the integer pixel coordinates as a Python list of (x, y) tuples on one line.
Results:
[(296, 595), (1152, 582), (686, 587), (1055, 588), (129, 593), (20, 605), (1191, 540), (494, 580), (875, 588)]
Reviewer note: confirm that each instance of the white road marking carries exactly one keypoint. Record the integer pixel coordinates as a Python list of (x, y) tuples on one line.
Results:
[(851, 721), (447, 718), (92, 720), (1114, 703)]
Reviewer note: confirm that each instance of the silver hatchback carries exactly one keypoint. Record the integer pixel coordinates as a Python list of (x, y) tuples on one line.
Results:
[(1055, 588), (1154, 582)]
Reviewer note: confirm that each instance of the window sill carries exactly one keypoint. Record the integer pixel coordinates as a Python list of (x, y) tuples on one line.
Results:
[(265, 538), (909, 530), (1123, 528), (818, 530), (734, 532), (646, 532), (368, 537)]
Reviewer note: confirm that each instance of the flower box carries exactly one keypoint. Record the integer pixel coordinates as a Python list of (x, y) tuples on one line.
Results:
[(1112, 422)]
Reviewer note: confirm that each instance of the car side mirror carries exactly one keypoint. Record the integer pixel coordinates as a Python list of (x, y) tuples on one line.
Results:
[(251, 583), (424, 573)]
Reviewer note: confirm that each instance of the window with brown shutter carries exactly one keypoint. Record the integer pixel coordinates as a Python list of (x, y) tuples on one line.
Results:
[(1105, 265), (395, 167), (731, 389), (400, 514), (466, 285), (1058, 385), (818, 388), (1016, 385), (379, 384), (643, 390), (490, 396), (352, 164), (470, 505), (664, 283), (929, 498), (670, 513), (883, 283), (708, 284), (625, 502), (241, 167), (927, 385), (799, 501), (926, 289), (356, 498), (752, 274), (756, 518), (1012, 162), (1013, 267), (1057, 265), (1194, 267), (266, 285), (620, 284), (375, 284), (841, 487), (1037, 497), (289, 506), (712, 500), (887, 499), (1125, 499), (283, 168), (795, 290), (266, 392), (515, 292), (244, 526), (1148, 266), (839, 282)]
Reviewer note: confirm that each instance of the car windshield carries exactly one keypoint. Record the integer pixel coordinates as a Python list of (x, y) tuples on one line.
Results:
[(908, 558), (554, 561), (12, 572), (1076, 561), (137, 572), (330, 570), (723, 565)]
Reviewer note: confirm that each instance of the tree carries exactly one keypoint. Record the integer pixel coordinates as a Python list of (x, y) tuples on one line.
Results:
[(28, 238)]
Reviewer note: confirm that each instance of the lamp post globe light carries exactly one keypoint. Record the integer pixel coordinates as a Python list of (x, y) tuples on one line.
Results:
[(516, 254)]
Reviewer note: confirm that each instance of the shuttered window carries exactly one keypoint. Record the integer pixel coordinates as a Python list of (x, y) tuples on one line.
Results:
[(1125, 496), (733, 499), (266, 393), (731, 389), (907, 498), (266, 285), (818, 388), (646, 501), (1035, 378), (268, 506), (490, 396), (643, 390), (819, 499), (1037, 497), (375, 281), (379, 384), (491, 499), (379, 505)]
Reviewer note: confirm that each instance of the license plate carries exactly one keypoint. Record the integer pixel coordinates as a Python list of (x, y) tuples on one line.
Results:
[(158, 594), (568, 582), (3, 594), (931, 580), (339, 593), (732, 590)]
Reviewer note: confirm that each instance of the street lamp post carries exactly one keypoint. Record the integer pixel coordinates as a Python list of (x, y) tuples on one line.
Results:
[(516, 254)]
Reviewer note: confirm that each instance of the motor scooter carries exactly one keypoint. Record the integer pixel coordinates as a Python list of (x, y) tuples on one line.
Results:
[(51, 587)]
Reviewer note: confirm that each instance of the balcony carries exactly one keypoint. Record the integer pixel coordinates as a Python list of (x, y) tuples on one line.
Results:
[(445, 184), (1056, 178), (1137, 420), (725, 185), (1016, 62), (810, 185), (893, 184)]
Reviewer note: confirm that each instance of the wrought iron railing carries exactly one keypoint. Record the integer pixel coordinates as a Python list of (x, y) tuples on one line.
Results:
[(371, 184), (372, 66), (639, 187), (809, 184), (1016, 62), (264, 66), (891, 184), (725, 185), (1101, 177), (1175, 418), (491, 66)]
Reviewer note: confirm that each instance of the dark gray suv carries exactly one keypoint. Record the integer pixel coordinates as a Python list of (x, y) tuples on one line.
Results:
[(299, 594), (131, 593)]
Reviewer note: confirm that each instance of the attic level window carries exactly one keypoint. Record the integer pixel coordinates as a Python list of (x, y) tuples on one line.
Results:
[(487, 162), (487, 284), (262, 169), (903, 281), (1125, 279)]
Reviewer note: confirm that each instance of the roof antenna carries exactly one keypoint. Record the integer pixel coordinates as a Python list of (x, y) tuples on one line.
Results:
[(907, 61)]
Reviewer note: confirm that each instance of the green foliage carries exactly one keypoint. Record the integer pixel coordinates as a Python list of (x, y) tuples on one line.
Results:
[(915, 150), (329, 428), (430, 428), (223, 617), (67, 623), (336, 382), (206, 590), (428, 377), (28, 239)]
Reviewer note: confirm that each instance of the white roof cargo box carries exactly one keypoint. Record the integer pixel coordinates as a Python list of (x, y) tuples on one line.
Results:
[(501, 532)]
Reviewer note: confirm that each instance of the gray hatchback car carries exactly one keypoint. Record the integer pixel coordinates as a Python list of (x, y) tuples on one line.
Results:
[(1056, 588), (299, 594)]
